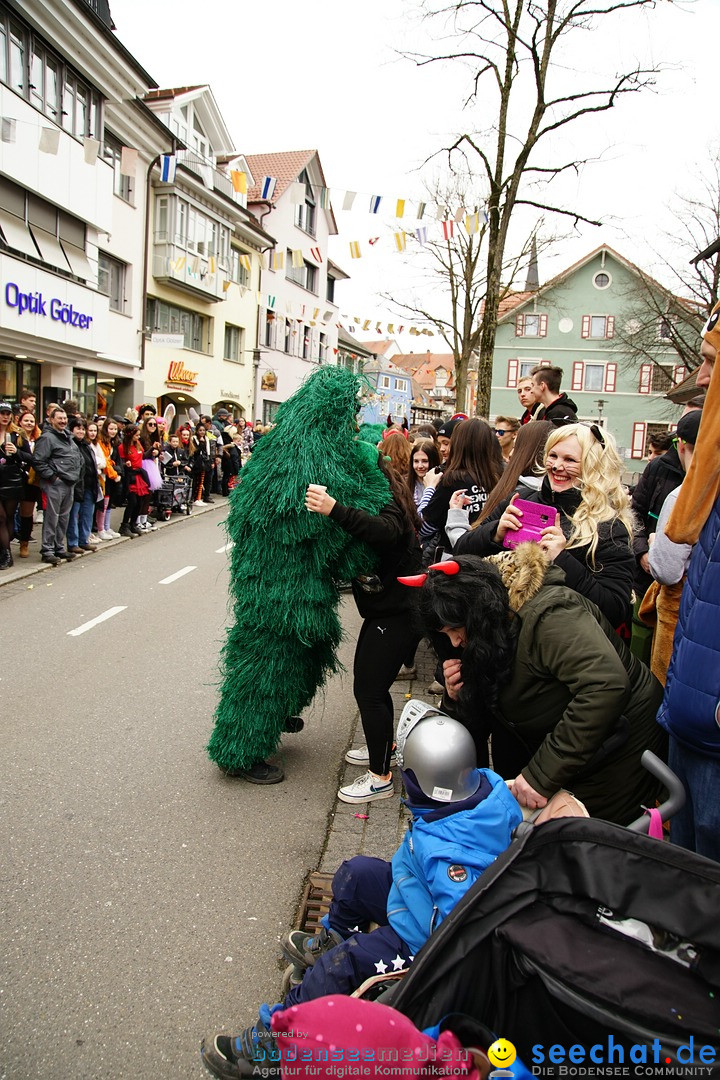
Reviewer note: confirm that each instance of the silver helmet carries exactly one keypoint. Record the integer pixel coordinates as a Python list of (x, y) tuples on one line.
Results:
[(439, 751)]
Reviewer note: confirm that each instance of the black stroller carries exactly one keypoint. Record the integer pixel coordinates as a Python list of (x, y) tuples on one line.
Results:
[(174, 495), (594, 950)]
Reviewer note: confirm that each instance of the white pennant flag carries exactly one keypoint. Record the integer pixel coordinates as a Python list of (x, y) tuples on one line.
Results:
[(128, 162), (49, 140), (349, 200), (297, 193), (91, 149), (8, 132)]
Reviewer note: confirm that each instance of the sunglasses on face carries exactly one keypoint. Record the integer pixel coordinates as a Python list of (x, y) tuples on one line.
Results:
[(500, 431)]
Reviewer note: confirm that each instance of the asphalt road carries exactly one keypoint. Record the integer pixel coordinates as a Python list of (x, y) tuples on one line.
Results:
[(143, 891)]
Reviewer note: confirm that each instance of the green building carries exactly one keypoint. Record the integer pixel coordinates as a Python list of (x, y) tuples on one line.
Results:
[(598, 323)]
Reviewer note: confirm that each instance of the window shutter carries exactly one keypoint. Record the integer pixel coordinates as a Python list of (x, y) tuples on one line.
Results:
[(638, 440), (610, 326), (543, 325), (678, 373), (610, 378), (519, 325), (585, 326), (512, 373), (645, 378), (578, 373)]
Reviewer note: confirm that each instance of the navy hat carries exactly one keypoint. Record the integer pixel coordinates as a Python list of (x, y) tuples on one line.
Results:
[(688, 425), (5, 406), (448, 428)]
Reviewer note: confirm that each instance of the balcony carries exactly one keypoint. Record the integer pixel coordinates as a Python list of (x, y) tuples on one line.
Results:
[(205, 169), (198, 275)]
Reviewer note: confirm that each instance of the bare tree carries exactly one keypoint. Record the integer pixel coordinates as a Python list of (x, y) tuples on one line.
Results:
[(511, 46), (673, 316), (456, 265)]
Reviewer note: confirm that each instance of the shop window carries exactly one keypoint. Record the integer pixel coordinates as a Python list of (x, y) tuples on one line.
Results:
[(85, 392), (169, 319)]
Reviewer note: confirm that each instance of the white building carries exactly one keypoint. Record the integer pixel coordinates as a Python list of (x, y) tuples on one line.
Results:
[(298, 314), (72, 224), (203, 271)]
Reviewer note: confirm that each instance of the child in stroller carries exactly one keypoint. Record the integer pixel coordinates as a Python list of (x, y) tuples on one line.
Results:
[(463, 818)]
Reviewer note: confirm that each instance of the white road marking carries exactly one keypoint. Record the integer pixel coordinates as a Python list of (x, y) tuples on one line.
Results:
[(178, 574), (98, 619), (228, 547)]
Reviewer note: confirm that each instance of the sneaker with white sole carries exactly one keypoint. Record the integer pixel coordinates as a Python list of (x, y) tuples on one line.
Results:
[(360, 756), (114, 535), (105, 535), (367, 788)]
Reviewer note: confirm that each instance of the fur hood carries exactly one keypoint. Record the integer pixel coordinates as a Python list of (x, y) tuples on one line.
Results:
[(523, 572)]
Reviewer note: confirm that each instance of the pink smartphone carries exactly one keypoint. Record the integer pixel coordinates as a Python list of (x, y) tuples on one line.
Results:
[(535, 518)]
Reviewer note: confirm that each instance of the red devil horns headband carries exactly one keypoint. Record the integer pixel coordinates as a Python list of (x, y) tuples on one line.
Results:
[(416, 581)]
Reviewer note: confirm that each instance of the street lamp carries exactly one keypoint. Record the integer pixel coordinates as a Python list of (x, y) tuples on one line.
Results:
[(601, 403)]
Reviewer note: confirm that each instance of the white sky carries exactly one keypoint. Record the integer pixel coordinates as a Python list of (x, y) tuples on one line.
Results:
[(326, 75)]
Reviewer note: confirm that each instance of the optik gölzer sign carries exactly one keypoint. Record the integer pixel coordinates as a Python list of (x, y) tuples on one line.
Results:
[(36, 304)]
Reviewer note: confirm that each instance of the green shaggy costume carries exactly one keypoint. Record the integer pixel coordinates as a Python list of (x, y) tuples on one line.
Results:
[(287, 565)]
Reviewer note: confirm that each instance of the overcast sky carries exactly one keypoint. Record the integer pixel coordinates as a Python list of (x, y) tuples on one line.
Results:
[(328, 75)]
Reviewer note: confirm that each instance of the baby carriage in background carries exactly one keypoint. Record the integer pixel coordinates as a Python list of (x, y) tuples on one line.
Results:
[(173, 496), (588, 936)]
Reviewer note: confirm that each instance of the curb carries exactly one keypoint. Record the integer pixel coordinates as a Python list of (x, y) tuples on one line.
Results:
[(20, 572)]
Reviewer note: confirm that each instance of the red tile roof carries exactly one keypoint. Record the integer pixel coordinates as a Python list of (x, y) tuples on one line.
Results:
[(159, 95), (286, 167), (414, 362), (378, 347)]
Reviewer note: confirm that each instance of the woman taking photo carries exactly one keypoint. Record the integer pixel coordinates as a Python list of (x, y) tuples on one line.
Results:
[(386, 633), (474, 464), (542, 672), (591, 538), (31, 495)]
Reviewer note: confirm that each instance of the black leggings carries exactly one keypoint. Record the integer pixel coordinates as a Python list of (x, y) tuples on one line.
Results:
[(382, 646), (7, 521)]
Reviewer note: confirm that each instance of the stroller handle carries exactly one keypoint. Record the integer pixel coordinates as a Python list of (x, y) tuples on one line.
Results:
[(672, 783)]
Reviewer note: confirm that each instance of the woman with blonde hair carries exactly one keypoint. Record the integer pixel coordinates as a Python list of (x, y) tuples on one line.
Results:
[(591, 538)]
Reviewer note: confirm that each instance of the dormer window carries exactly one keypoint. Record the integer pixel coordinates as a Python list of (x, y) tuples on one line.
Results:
[(305, 212)]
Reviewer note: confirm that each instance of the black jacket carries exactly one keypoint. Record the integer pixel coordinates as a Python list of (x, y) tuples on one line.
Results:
[(609, 584), (436, 511), (13, 469), (178, 461), (391, 534), (661, 476), (559, 412), (88, 479)]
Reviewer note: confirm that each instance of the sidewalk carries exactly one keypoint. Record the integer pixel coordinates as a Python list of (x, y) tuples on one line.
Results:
[(26, 568), (380, 833)]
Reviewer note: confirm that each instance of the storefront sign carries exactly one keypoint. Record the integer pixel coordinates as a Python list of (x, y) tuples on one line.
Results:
[(36, 304), (175, 341), (230, 395), (180, 376)]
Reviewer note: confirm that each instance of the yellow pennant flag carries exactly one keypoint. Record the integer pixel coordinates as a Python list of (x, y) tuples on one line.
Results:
[(472, 223), (239, 181), (278, 260), (400, 208), (211, 264), (226, 285), (245, 261), (400, 241), (297, 258), (391, 328), (355, 249), (180, 264), (366, 325)]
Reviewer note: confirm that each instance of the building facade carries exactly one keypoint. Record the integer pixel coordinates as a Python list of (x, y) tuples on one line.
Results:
[(298, 313), (72, 206), (203, 266), (584, 321)]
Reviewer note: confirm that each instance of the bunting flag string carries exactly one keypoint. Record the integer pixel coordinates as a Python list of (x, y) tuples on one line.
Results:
[(267, 188), (375, 201), (239, 181)]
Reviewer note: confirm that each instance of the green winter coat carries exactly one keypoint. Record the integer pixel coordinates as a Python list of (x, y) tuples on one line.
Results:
[(583, 706)]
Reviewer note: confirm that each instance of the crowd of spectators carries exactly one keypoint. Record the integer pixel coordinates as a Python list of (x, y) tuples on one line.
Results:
[(68, 472)]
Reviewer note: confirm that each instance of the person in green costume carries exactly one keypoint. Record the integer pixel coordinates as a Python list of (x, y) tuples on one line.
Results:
[(286, 569)]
